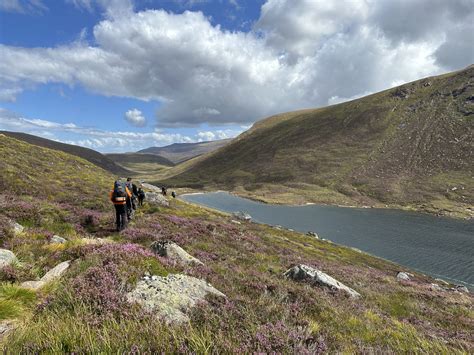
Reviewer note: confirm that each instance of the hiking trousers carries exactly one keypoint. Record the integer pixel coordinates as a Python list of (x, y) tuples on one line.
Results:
[(121, 216)]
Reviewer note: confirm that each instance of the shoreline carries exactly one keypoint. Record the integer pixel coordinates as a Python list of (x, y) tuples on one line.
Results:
[(433, 275)]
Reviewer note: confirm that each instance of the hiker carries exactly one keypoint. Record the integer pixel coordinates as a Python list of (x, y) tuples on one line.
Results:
[(173, 194), (141, 196), (118, 196), (163, 191), (130, 203)]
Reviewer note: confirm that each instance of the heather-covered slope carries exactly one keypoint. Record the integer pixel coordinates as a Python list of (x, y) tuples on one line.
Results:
[(180, 152), (407, 146), (87, 309), (90, 155)]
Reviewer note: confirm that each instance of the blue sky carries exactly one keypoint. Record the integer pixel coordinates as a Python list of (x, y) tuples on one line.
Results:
[(122, 75)]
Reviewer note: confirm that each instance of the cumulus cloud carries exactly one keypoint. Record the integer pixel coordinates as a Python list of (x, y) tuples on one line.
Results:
[(135, 118), (103, 140), (299, 54)]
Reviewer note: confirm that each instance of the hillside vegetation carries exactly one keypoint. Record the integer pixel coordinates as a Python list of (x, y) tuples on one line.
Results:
[(180, 152), (141, 163), (88, 154), (87, 310), (410, 146)]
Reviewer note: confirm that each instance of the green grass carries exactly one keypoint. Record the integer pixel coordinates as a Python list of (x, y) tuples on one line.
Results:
[(15, 301)]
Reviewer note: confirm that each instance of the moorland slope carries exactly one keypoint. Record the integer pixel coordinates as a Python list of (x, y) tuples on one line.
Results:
[(90, 155), (87, 309), (409, 146)]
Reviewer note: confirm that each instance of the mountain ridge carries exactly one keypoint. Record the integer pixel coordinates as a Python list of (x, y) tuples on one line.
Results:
[(90, 155), (407, 146)]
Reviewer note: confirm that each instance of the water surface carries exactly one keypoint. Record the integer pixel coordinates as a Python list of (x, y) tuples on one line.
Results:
[(437, 246)]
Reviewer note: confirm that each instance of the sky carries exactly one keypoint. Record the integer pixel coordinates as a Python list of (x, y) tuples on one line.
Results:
[(123, 75)]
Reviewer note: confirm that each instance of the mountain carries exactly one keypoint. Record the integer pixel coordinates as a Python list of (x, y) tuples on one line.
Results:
[(131, 158), (409, 146), (179, 152), (70, 283), (88, 154)]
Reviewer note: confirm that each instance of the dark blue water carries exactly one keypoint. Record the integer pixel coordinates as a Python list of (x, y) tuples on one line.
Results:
[(440, 247)]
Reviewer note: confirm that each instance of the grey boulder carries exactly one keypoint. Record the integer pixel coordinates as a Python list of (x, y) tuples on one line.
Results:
[(158, 199), (171, 297), (53, 274), (403, 276), (317, 277), (173, 251), (6, 257)]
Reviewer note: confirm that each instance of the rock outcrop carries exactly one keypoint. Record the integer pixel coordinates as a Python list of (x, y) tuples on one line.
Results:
[(315, 276), (6, 257), (155, 198), (53, 274), (173, 251), (16, 227), (172, 297), (151, 187)]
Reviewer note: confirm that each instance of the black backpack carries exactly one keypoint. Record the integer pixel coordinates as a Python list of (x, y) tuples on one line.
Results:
[(119, 191)]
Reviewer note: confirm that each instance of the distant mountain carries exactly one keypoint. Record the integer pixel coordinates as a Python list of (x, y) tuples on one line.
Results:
[(90, 155), (179, 152), (408, 146), (127, 158)]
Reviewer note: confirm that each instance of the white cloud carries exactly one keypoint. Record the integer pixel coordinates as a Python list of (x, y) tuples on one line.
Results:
[(135, 118), (102, 140), (300, 54), (23, 6)]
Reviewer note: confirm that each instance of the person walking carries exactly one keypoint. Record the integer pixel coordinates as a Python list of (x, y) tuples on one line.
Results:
[(130, 202), (118, 195), (141, 196)]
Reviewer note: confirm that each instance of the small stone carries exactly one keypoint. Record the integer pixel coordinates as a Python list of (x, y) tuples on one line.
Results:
[(17, 228), (242, 216), (403, 276), (235, 222), (436, 287), (312, 234), (461, 288), (58, 239), (6, 257)]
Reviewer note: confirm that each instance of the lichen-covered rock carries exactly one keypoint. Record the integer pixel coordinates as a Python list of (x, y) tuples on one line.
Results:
[(151, 187), (315, 276), (172, 297), (461, 288), (56, 272), (403, 276), (173, 251), (6, 257), (155, 198), (53, 274), (58, 239)]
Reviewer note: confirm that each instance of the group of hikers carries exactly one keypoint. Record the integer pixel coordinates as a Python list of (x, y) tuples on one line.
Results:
[(126, 196)]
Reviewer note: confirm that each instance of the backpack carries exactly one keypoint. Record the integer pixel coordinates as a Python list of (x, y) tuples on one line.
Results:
[(119, 194)]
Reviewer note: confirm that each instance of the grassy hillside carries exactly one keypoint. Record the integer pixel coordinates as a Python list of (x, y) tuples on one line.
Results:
[(86, 311), (141, 163), (180, 152), (409, 146), (90, 155)]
